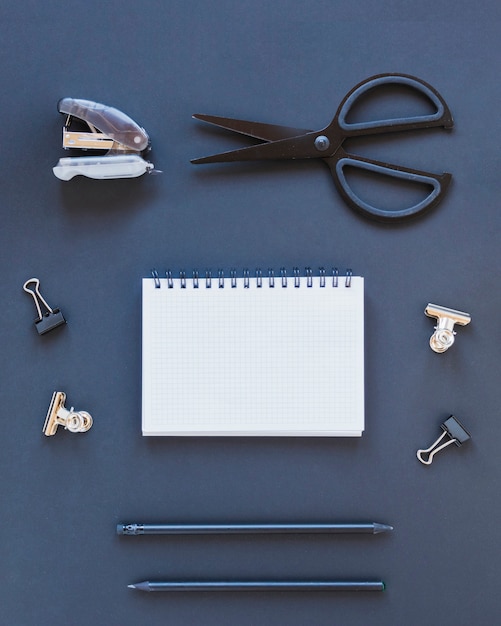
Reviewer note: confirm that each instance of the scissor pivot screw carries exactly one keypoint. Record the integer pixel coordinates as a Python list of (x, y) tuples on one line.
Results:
[(322, 143)]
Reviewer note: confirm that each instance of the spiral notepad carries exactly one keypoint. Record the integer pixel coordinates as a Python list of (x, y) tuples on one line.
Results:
[(259, 355)]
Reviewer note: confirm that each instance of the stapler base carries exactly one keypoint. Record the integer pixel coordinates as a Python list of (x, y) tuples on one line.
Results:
[(100, 168)]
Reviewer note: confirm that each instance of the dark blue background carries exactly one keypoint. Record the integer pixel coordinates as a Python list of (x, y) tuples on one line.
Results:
[(90, 243)]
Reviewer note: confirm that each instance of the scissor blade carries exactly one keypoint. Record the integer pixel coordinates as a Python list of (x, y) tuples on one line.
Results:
[(300, 147), (258, 130)]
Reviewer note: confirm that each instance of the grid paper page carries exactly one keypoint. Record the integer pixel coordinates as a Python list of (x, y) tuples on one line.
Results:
[(238, 360)]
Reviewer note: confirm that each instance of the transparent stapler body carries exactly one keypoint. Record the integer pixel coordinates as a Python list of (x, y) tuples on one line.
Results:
[(125, 142)]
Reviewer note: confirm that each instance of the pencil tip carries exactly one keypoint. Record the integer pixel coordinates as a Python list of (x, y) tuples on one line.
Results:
[(381, 528), (144, 586)]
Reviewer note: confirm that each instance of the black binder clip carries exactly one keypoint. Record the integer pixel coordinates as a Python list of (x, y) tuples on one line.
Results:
[(52, 318), (455, 432)]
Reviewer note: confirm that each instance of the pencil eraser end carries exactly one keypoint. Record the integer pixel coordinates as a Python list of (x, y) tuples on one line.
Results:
[(120, 529)]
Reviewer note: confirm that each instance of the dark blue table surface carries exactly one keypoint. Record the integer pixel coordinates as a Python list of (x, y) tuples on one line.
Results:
[(90, 243)]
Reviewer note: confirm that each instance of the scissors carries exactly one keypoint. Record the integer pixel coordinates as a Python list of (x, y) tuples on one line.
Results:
[(282, 142)]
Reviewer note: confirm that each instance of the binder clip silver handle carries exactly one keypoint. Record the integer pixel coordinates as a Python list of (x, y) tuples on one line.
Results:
[(50, 318), (59, 415), (443, 337), (456, 433)]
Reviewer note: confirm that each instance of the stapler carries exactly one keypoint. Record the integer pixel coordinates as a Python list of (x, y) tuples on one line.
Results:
[(106, 128)]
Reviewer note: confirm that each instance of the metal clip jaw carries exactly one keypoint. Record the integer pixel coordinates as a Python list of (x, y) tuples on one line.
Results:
[(453, 429), (58, 415), (443, 337), (52, 318)]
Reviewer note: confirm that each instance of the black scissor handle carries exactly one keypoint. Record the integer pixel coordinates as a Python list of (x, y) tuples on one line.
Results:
[(438, 183), (441, 117)]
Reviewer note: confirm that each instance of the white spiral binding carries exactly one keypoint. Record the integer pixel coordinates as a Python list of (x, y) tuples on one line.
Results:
[(271, 281)]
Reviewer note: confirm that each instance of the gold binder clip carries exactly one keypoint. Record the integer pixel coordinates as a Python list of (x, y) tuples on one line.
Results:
[(456, 433), (58, 415), (443, 337)]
